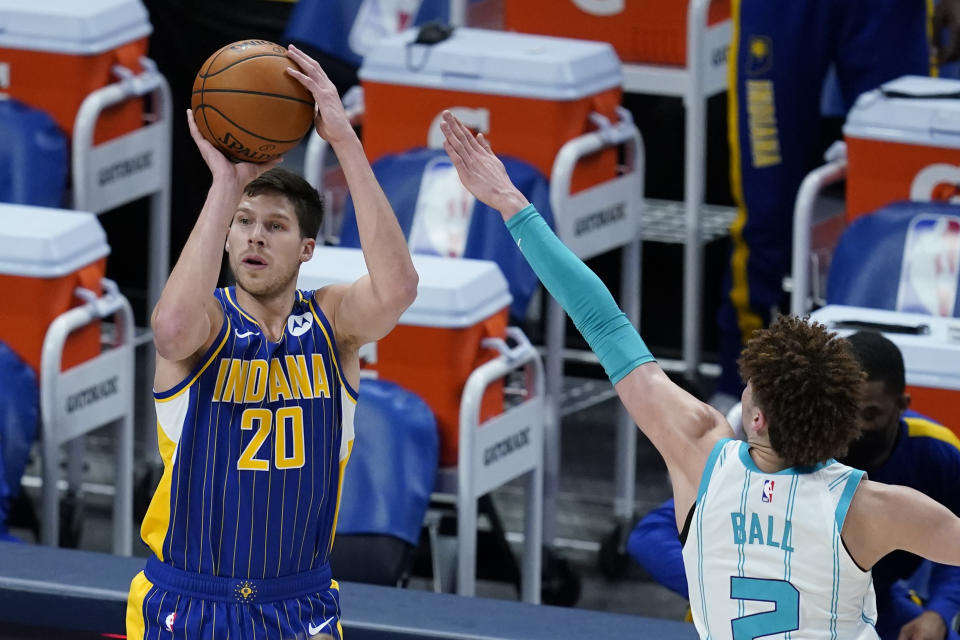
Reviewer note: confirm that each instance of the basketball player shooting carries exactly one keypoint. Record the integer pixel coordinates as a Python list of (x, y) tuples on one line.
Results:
[(778, 537), (255, 391)]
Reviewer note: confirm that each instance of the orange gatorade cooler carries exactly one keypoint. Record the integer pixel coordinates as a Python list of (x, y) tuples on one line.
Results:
[(651, 31), (903, 143), (437, 343), (931, 350), (53, 53), (528, 94), (45, 254)]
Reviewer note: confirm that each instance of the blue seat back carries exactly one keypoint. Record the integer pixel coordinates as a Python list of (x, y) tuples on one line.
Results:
[(33, 156), (390, 475), (904, 257), (406, 177)]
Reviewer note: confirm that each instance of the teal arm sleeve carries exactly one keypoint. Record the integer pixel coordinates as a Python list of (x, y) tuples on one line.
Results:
[(582, 295)]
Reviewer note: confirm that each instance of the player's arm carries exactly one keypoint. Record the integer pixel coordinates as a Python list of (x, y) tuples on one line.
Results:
[(682, 428), (369, 308), (187, 317), (883, 518)]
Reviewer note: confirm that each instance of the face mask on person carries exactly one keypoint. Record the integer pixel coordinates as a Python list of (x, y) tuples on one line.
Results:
[(871, 449), (879, 420)]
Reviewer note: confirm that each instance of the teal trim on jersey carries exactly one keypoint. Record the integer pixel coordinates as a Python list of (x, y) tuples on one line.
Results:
[(710, 464), (700, 506), (788, 517), (839, 480), (582, 295), (750, 464), (741, 548), (787, 547), (835, 596), (703, 594), (853, 481)]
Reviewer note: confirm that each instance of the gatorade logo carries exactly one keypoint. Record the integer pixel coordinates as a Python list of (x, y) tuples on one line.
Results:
[(505, 447), (601, 7), (92, 394), (4, 75), (938, 183), (124, 168), (599, 219)]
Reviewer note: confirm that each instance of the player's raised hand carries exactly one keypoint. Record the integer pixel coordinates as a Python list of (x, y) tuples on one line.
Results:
[(480, 171), (222, 167), (330, 119)]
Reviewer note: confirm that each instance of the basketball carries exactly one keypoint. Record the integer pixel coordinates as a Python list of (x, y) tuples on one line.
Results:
[(246, 104)]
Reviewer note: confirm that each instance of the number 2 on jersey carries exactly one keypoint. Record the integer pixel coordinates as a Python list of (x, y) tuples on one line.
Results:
[(289, 422), (784, 617)]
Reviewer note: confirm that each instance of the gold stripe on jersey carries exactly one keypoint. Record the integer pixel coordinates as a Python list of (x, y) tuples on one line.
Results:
[(157, 519), (226, 293), (349, 406), (336, 363), (919, 427), (139, 587), (205, 364)]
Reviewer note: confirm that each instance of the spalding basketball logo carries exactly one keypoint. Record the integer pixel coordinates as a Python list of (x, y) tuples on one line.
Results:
[(601, 7), (937, 182)]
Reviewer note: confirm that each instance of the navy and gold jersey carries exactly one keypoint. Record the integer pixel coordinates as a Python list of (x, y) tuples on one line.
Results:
[(254, 444)]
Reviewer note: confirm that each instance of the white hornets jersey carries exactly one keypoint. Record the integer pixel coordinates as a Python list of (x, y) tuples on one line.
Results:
[(763, 553)]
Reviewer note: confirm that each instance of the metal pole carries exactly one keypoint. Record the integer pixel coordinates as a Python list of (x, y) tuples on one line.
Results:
[(556, 335), (694, 170)]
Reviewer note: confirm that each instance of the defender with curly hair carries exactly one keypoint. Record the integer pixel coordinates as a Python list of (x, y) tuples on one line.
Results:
[(778, 537)]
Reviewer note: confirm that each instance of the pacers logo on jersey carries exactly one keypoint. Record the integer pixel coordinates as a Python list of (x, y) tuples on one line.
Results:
[(760, 52), (299, 325), (767, 494)]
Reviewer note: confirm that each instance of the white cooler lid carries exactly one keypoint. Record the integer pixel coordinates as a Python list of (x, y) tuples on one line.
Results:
[(930, 344), (77, 27), (931, 117), (453, 292), (496, 62), (38, 242)]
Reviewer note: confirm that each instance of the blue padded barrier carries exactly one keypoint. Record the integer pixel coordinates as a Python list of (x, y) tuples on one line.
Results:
[(390, 475), (402, 175), (33, 156), (903, 257)]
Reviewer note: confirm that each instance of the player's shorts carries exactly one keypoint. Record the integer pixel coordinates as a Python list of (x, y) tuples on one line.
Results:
[(166, 603)]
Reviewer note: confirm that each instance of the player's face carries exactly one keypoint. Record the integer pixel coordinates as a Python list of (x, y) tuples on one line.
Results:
[(879, 421), (264, 244)]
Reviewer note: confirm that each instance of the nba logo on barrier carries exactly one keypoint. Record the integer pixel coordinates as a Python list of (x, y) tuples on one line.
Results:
[(931, 266), (767, 494)]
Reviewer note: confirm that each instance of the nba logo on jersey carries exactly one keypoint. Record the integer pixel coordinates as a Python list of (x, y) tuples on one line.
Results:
[(767, 494), (930, 269)]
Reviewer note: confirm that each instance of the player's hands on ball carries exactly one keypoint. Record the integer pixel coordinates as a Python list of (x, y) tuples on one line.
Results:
[(330, 119), (480, 171), (222, 168)]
